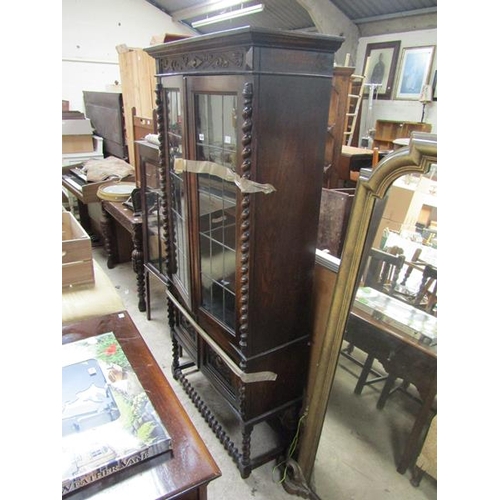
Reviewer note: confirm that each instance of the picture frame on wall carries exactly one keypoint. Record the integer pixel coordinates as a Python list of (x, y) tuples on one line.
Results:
[(415, 66), (435, 86), (380, 67)]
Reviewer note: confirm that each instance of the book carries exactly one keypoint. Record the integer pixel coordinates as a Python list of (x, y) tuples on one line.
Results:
[(108, 420)]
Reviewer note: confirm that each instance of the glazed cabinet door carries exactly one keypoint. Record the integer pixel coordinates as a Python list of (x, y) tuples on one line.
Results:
[(151, 198), (176, 206), (214, 105)]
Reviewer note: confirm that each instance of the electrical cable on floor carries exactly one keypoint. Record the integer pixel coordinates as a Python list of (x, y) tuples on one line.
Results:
[(291, 450)]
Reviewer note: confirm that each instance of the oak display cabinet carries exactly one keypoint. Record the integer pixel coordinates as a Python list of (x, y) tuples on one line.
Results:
[(242, 116)]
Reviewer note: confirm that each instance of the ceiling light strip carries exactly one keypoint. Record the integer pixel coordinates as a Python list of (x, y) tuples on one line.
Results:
[(254, 9), (205, 8)]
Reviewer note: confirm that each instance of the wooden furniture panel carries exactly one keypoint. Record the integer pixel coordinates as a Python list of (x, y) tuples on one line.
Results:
[(183, 473), (388, 130), (148, 166), (333, 219), (341, 84), (142, 126), (223, 107), (105, 110), (351, 161), (137, 70), (76, 253)]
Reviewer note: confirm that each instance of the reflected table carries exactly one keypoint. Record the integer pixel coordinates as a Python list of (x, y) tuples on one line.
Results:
[(403, 339)]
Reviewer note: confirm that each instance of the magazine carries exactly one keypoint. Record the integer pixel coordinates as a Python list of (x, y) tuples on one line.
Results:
[(108, 421)]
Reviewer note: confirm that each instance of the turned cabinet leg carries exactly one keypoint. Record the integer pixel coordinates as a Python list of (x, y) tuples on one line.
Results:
[(138, 266), (148, 296), (175, 358), (245, 462)]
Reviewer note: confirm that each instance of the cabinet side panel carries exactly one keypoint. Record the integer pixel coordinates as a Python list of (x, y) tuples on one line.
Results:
[(289, 154), (290, 364)]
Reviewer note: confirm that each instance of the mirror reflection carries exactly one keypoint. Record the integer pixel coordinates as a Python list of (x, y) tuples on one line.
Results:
[(381, 421)]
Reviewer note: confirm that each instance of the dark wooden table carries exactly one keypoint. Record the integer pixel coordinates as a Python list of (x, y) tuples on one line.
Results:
[(114, 212), (404, 357), (183, 473)]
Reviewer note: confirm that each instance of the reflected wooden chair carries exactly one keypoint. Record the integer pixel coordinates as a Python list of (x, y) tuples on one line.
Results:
[(426, 298), (383, 269), (382, 273)]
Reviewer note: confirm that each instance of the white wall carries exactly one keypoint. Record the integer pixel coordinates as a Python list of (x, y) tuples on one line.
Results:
[(91, 31), (399, 109)]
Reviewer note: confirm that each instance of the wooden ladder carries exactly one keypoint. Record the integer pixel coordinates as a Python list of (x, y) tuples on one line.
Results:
[(354, 98)]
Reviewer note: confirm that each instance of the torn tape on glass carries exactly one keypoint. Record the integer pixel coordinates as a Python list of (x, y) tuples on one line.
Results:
[(208, 167)]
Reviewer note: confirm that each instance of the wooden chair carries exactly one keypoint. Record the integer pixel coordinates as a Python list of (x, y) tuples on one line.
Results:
[(141, 126), (415, 263), (426, 297), (382, 273), (383, 269)]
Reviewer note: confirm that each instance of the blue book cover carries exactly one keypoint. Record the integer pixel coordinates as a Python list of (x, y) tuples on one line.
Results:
[(108, 420)]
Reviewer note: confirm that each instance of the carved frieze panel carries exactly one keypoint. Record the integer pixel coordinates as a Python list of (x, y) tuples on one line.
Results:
[(234, 59)]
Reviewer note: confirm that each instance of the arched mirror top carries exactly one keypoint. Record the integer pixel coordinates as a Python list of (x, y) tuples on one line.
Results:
[(418, 157)]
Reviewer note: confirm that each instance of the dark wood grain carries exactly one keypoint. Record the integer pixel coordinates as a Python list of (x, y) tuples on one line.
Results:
[(183, 472), (281, 86)]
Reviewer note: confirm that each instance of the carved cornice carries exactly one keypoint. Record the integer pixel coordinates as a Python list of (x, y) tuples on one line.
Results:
[(233, 59)]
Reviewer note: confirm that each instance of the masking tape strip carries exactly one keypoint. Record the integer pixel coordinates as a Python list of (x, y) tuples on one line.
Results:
[(225, 173), (245, 377)]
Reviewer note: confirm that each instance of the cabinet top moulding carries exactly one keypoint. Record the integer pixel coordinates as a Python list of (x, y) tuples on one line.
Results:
[(235, 51)]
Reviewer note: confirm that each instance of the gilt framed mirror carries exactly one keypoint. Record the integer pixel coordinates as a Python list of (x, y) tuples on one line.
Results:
[(381, 318)]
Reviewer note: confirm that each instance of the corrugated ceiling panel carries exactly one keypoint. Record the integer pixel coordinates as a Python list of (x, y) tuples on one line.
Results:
[(290, 15), (359, 9)]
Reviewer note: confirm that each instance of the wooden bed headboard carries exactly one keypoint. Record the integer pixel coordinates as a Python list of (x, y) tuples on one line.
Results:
[(105, 111)]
